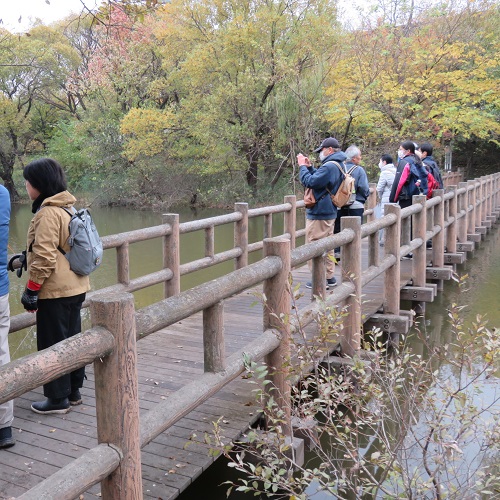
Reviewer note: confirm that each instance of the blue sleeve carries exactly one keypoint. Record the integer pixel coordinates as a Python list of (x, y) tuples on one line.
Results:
[(4, 238), (317, 179)]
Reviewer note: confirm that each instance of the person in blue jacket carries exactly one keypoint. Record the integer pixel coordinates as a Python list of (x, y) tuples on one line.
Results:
[(326, 179), (6, 409)]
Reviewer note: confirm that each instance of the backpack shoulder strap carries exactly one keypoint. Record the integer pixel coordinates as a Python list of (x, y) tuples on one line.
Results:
[(338, 166), (70, 212), (352, 169)]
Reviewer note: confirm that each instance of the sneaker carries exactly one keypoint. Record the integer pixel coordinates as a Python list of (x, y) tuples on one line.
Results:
[(56, 405), (337, 255), (407, 256), (75, 398), (6, 439), (331, 282)]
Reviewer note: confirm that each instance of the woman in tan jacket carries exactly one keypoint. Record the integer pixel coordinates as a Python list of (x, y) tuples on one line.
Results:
[(53, 291)]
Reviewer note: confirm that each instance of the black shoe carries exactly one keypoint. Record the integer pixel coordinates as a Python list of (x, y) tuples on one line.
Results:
[(6, 439), (407, 256), (331, 282), (59, 405), (75, 398)]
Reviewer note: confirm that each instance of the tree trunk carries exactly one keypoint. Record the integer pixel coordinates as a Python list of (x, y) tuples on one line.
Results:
[(7, 167), (252, 156), (252, 176)]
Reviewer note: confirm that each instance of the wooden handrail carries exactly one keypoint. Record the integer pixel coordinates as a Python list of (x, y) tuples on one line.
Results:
[(31, 371)]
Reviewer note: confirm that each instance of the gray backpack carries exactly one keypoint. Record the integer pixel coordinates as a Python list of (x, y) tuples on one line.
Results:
[(85, 254)]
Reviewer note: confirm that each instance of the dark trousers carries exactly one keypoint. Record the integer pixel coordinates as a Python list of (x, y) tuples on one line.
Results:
[(344, 212), (56, 320)]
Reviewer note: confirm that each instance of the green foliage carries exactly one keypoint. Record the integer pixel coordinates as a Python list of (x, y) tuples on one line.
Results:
[(233, 90)]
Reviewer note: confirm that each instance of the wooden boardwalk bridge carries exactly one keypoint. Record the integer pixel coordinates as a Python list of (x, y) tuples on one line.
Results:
[(185, 370)]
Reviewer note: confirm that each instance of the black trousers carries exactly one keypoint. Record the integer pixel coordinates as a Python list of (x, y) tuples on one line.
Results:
[(56, 320), (346, 212)]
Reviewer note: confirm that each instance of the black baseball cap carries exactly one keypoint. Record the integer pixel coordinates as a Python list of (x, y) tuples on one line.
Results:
[(329, 142)]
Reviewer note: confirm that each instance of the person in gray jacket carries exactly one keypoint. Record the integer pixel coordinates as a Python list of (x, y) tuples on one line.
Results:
[(357, 208), (384, 186)]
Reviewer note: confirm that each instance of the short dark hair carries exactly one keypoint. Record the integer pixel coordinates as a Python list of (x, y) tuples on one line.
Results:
[(409, 145), (387, 158), (46, 176), (426, 147)]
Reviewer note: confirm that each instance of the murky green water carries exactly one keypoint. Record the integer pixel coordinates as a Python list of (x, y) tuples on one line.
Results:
[(145, 257)]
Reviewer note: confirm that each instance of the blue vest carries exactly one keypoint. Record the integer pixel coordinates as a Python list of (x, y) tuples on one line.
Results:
[(4, 239)]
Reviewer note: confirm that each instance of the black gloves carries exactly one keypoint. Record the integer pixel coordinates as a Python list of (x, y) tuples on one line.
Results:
[(29, 298), (23, 261)]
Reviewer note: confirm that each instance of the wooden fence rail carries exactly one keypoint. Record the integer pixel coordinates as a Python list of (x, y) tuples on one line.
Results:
[(455, 218)]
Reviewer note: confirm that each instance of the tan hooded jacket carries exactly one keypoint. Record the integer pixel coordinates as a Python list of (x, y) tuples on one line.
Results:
[(47, 266)]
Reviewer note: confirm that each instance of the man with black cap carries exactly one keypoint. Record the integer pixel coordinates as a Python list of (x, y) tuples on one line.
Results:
[(320, 219)]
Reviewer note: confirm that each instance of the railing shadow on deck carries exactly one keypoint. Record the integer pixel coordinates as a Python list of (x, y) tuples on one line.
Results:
[(454, 220)]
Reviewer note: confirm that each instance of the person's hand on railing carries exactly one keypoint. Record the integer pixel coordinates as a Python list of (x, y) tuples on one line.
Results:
[(23, 263)]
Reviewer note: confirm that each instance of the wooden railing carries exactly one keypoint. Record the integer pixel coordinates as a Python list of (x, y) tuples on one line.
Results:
[(455, 219)]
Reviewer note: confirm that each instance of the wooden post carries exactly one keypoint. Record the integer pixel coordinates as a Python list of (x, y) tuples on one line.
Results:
[(420, 254), (373, 246), (290, 219), (319, 276), (268, 226), (350, 341), (276, 311), (116, 394), (241, 235), (171, 255), (393, 274), (123, 264), (489, 195), (438, 241), (214, 350), (405, 230), (479, 201), (484, 199), (209, 241), (471, 219), (462, 207), (451, 233), (430, 216)]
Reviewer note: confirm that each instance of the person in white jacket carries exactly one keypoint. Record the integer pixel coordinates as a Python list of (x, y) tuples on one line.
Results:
[(384, 186)]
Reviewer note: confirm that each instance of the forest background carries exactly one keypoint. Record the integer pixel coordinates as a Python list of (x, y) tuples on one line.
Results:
[(207, 102)]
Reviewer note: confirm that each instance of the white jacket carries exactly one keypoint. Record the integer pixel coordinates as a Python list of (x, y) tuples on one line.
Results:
[(384, 185)]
